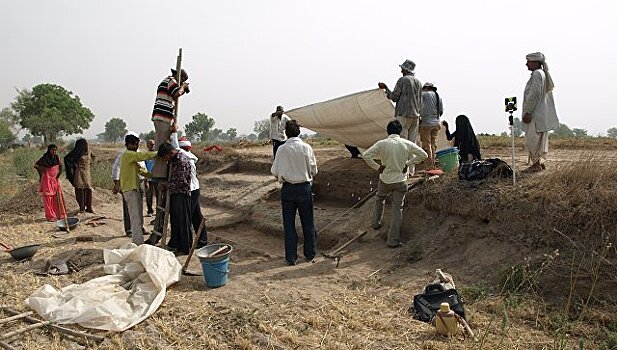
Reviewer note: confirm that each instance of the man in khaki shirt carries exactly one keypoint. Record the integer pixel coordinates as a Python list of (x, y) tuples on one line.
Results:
[(396, 155)]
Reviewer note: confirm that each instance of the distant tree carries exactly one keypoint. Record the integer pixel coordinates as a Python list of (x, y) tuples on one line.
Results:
[(232, 133), (503, 134), (150, 135), (251, 137), (612, 132), (579, 132), (49, 109), (6, 136), (199, 127), (115, 129), (9, 116), (216, 134), (262, 128), (563, 131)]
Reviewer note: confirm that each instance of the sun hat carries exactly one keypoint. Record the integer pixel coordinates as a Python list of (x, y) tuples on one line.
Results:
[(408, 65)]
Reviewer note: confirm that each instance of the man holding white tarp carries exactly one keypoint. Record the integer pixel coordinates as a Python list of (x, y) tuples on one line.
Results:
[(539, 114)]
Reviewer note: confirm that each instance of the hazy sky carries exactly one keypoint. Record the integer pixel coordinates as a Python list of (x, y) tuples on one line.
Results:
[(246, 57)]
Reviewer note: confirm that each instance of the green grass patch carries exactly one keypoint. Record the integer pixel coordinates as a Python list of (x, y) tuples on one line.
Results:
[(23, 162), (100, 172)]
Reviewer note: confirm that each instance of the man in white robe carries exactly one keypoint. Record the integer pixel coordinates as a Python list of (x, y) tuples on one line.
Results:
[(539, 114)]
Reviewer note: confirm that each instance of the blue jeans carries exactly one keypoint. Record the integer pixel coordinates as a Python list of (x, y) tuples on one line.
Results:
[(298, 197)]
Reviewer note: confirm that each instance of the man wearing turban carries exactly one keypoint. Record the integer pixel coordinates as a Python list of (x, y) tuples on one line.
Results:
[(539, 114)]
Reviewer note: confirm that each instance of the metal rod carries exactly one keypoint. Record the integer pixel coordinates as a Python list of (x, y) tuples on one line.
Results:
[(513, 155)]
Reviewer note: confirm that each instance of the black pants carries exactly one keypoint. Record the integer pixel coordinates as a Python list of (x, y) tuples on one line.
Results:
[(84, 199), (298, 198), (151, 192), (197, 217), (180, 218)]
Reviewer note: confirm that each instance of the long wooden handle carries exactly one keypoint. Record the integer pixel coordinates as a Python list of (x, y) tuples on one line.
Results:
[(66, 215), (194, 245), (348, 243), (218, 251)]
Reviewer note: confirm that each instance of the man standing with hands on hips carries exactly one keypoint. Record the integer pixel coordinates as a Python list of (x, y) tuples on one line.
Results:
[(396, 155), (295, 166)]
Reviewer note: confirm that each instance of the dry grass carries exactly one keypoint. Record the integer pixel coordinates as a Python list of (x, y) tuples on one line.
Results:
[(342, 309), (580, 143)]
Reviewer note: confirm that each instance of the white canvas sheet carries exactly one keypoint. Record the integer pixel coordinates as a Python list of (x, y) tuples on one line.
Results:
[(358, 119), (135, 287)]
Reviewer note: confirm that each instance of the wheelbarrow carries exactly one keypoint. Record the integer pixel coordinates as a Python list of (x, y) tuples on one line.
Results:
[(72, 221), (21, 253)]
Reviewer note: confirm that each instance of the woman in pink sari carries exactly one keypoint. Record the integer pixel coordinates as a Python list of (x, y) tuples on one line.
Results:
[(49, 169)]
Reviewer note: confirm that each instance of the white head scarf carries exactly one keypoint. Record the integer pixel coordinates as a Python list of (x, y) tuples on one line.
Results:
[(539, 57)]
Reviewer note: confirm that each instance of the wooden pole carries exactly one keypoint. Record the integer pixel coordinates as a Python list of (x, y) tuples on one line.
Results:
[(60, 329), (16, 317), (25, 329), (174, 121)]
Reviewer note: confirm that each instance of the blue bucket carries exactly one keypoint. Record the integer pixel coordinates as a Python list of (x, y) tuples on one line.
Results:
[(215, 268)]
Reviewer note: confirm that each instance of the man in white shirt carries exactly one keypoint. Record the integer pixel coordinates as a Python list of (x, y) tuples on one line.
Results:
[(539, 114), (278, 120), (295, 166), (397, 155)]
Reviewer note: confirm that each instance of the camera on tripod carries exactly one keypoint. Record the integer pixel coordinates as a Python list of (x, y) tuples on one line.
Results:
[(510, 104)]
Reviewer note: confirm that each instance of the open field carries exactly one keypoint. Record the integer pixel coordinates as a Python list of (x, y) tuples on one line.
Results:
[(535, 263)]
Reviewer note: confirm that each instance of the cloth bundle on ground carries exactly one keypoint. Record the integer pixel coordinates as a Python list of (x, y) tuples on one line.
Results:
[(135, 287), (484, 169)]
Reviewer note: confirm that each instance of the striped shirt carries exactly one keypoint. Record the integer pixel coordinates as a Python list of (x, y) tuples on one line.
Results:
[(164, 103)]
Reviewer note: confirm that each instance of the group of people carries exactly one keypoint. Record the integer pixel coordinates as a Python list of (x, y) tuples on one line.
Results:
[(170, 172), (77, 168), (418, 107)]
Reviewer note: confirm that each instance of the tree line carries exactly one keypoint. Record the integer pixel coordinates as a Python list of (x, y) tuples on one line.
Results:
[(562, 131)]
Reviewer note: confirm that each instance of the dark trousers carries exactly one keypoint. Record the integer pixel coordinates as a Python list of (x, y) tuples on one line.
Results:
[(275, 146), (84, 199), (298, 197), (197, 217), (126, 217), (151, 192), (180, 219)]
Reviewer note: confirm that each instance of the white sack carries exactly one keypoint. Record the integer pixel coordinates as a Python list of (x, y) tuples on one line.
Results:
[(358, 119), (135, 287)]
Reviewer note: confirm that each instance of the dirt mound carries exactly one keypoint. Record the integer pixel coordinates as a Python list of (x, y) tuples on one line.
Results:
[(344, 180), (26, 201), (541, 227)]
